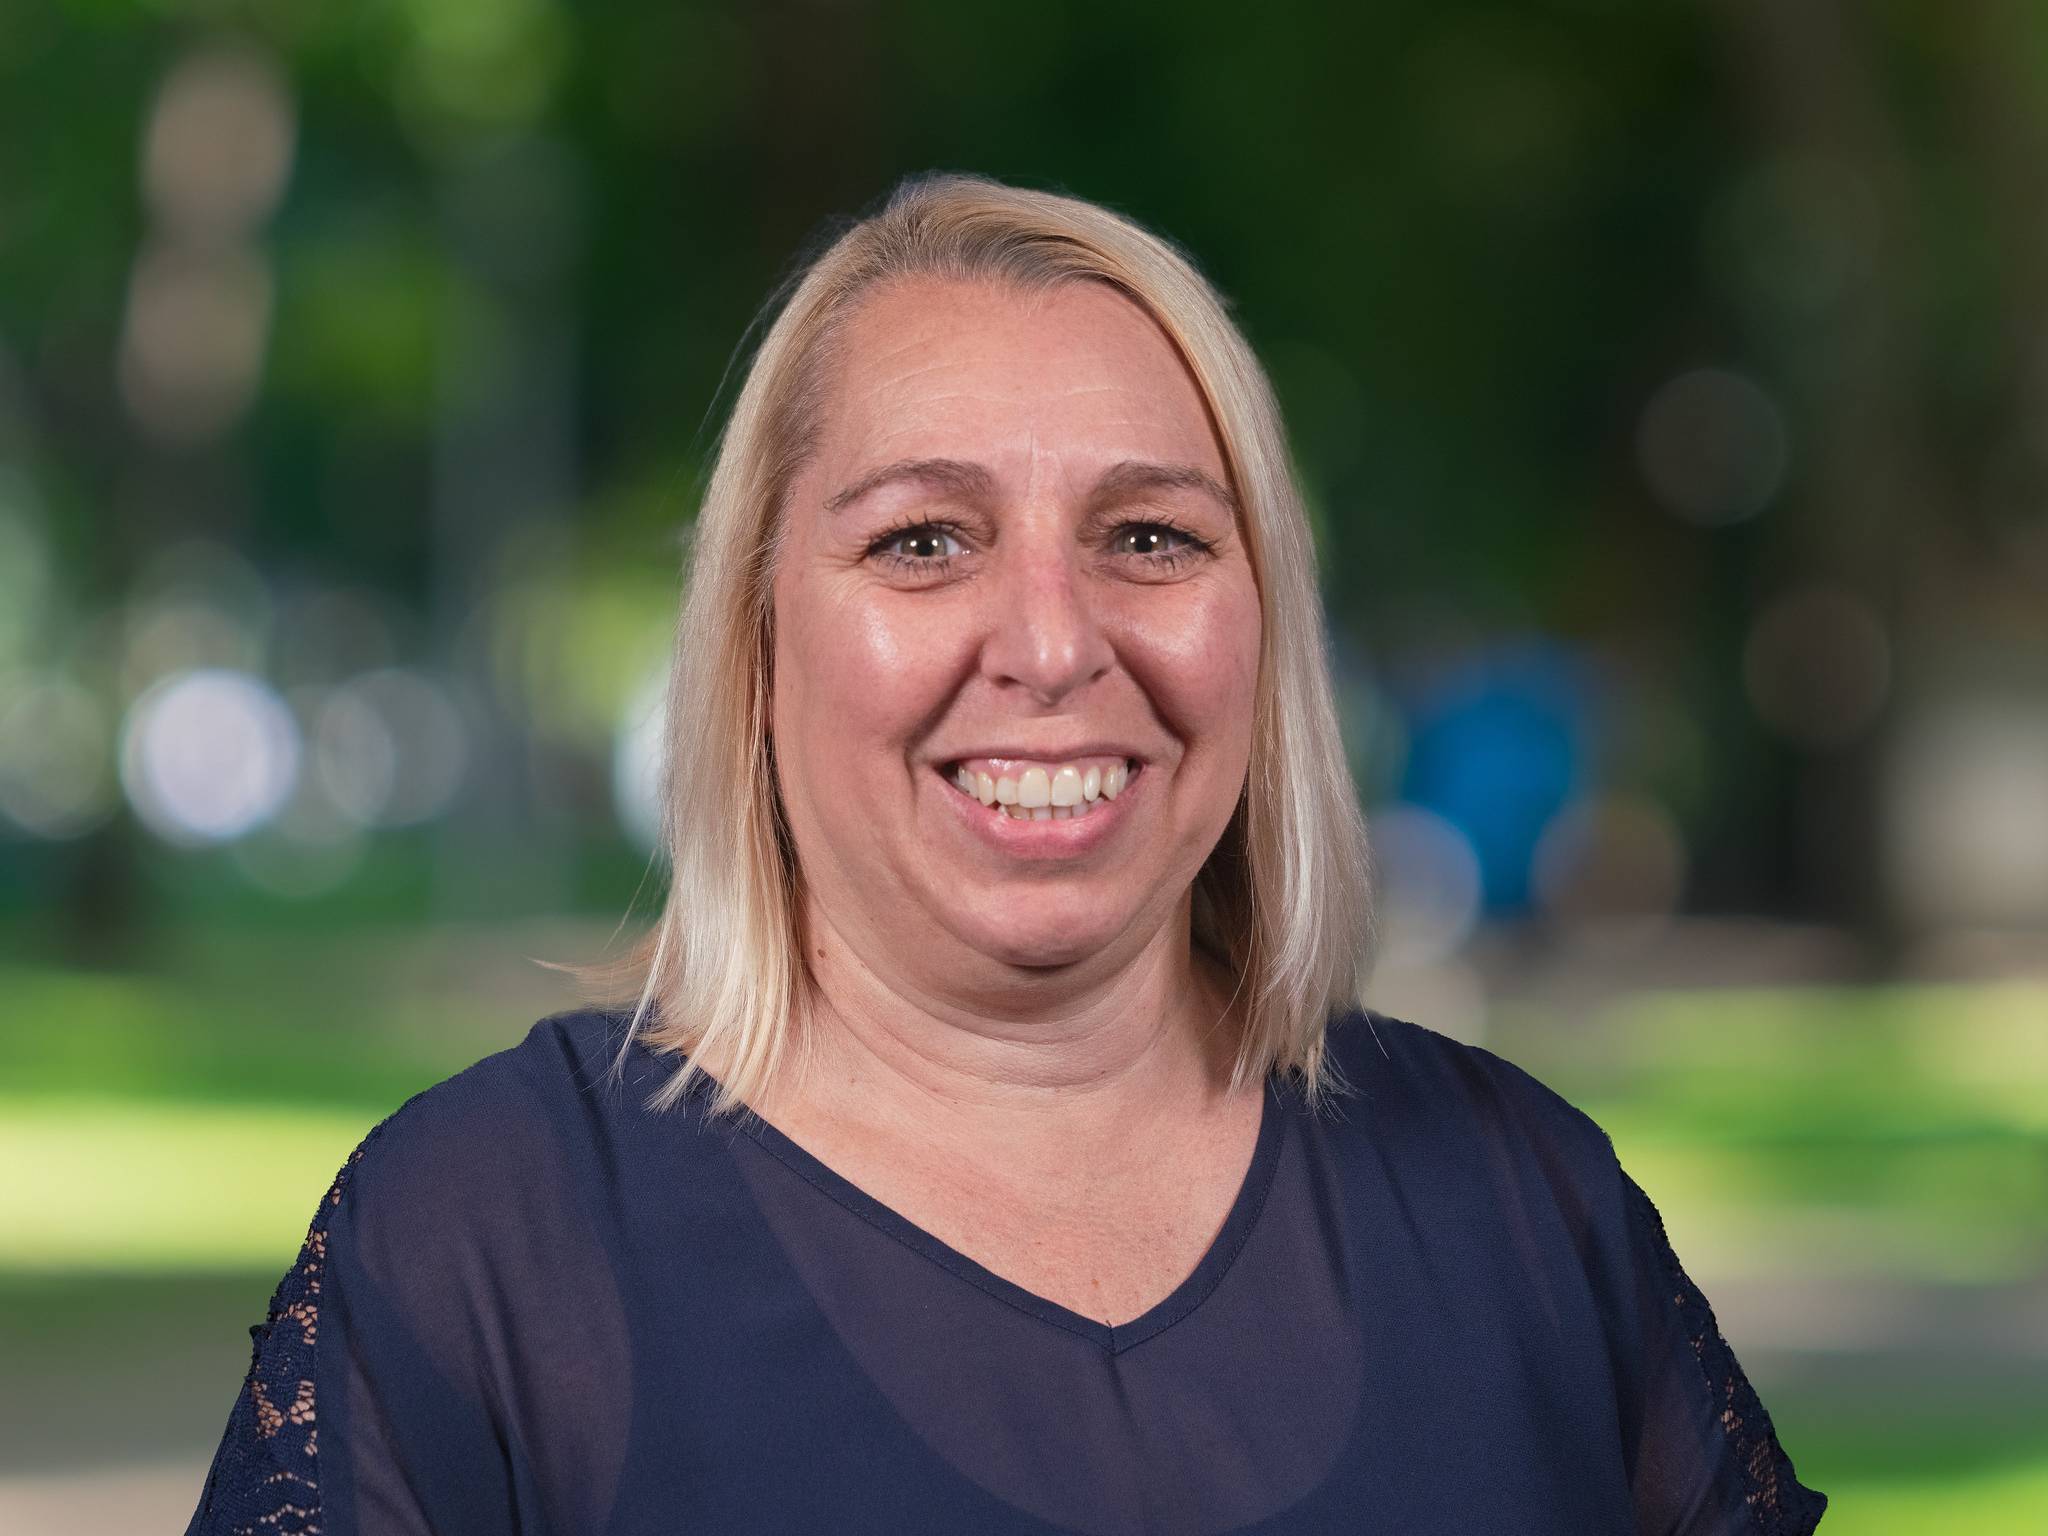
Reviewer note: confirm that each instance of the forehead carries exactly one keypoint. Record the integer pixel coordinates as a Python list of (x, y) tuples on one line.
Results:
[(931, 365)]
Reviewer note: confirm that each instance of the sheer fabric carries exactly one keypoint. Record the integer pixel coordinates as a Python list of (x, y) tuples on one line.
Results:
[(529, 1304)]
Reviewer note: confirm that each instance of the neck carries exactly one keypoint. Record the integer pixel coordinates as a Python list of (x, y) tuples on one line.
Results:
[(1051, 1054)]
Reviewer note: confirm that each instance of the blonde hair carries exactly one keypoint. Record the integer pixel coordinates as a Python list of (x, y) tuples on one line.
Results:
[(1283, 898)]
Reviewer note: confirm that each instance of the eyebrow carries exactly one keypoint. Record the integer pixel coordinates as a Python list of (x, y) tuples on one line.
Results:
[(1119, 482), (1134, 476), (954, 475)]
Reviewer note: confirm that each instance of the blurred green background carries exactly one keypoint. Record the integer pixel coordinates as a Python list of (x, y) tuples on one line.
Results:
[(1670, 384)]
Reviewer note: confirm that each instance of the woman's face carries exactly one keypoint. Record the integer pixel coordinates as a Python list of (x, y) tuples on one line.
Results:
[(1012, 567)]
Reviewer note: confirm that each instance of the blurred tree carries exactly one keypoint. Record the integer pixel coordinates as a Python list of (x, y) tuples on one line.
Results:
[(510, 282)]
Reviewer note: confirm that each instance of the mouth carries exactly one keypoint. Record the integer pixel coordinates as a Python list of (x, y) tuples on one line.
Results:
[(1024, 789)]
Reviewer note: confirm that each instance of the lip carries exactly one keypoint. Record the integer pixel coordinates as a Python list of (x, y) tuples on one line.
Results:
[(1062, 754), (1049, 840)]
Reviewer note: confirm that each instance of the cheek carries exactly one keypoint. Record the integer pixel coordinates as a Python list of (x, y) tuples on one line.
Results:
[(860, 676), (1200, 664)]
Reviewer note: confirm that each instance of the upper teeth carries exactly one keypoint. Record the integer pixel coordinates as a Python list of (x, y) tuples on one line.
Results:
[(1034, 791)]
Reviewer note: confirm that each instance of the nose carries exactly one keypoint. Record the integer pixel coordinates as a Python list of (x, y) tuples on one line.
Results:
[(1045, 635)]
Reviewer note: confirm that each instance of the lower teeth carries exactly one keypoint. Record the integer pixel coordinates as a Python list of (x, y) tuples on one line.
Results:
[(1043, 812)]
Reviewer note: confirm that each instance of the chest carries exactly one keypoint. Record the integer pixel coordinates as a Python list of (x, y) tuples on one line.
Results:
[(1106, 1237), (1108, 1249), (1333, 1364)]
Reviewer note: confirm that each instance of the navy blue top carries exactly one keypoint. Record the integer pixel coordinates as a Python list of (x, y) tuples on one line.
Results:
[(530, 1304)]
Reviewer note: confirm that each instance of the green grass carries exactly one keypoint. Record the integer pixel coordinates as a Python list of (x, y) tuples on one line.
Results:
[(2007, 1501), (1888, 1469), (153, 1188), (1900, 1132), (1909, 1123), (317, 1036)]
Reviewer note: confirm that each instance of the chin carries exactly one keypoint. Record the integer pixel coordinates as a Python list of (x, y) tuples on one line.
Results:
[(1049, 948)]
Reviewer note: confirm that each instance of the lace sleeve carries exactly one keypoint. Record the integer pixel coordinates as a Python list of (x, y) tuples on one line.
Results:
[(265, 1476), (1743, 1459)]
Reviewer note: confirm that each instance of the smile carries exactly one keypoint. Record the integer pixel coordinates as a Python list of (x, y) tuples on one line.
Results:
[(1024, 790)]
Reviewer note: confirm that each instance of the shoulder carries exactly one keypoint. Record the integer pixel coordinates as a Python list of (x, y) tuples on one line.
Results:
[(1379, 1055), (506, 1096), (1405, 1079), (487, 1201), (508, 1104), (493, 1148)]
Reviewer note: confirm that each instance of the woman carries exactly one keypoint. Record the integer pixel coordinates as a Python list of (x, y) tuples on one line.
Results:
[(997, 1144)]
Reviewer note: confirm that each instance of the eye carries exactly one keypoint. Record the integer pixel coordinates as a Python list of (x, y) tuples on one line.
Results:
[(1161, 545), (1147, 538), (925, 542), (917, 548)]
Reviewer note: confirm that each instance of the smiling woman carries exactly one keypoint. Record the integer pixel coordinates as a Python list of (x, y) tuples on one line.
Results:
[(1003, 483), (989, 1136)]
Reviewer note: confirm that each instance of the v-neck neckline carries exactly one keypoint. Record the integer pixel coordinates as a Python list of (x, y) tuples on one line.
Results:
[(1112, 1338)]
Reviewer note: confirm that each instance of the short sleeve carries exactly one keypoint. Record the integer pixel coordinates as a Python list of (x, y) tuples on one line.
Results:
[(1707, 1459), (265, 1474), (1701, 1454), (453, 1328)]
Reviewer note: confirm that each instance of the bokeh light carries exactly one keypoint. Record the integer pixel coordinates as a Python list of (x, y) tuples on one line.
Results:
[(638, 746), (208, 756), (1792, 238), (1967, 813), (197, 605), (216, 153), (56, 769), (1817, 666), (182, 636), (308, 849), (1610, 866), (390, 748), (1430, 887), (1712, 445), (192, 349), (328, 634), (1497, 743), (217, 150)]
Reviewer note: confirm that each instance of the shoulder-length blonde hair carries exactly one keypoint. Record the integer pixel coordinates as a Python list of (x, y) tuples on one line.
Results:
[(1283, 898)]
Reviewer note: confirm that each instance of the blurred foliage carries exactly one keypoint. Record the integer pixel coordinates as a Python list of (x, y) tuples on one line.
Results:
[(519, 246)]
